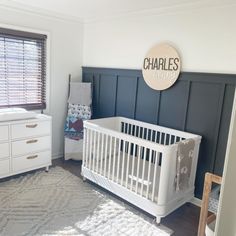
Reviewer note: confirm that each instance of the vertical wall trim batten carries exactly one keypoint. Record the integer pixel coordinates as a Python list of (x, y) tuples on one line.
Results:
[(99, 86), (158, 107), (136, 96), (218, 122), (98, 95), (187, 105), (93, 90), (115, 110)]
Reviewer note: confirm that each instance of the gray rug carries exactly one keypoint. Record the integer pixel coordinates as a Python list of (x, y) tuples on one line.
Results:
[(60, 203)]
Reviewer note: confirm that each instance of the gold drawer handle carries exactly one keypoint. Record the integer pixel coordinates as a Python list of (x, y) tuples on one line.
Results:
[(31, 126), (32, 141), (32, 157)]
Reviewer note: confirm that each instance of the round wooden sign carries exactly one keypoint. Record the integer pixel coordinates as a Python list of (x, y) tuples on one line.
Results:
[(161, 66)]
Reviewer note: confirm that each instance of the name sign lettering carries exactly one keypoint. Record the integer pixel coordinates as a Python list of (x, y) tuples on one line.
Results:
[(161, 66)]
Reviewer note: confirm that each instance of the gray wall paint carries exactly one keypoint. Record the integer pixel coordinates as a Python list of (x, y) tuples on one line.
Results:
[(200, 103)]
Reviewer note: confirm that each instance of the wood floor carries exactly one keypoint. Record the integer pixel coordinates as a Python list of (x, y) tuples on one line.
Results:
[(183, 221)]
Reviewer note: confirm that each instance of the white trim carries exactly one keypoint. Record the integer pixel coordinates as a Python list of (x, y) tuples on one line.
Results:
[(196, 201), (57, 156), (48, 51), (183, 7), (20, 7)]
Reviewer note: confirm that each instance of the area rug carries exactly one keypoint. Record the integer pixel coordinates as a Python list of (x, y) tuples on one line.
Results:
[(60, 203)]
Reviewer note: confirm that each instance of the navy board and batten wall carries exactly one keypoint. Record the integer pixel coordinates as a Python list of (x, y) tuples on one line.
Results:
[(200, 103)]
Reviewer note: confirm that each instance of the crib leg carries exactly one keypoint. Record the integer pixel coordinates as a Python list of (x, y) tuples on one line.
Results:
[(84, 179), (158, 220), (47, 168)]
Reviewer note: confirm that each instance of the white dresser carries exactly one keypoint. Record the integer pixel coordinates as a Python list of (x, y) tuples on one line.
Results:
[(25, 145)]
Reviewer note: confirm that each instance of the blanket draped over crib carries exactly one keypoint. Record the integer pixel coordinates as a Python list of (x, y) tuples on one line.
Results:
[(184, 163)]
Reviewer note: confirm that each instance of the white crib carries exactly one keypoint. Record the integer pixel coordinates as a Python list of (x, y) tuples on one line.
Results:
[(137, 161)]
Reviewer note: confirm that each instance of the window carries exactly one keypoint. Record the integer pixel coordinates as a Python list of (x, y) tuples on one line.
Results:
[(22, 69)]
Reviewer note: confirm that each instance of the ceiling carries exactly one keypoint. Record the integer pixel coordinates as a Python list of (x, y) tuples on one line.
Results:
[(95, 9)]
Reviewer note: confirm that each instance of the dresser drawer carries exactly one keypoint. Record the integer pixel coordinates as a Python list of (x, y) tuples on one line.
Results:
[(31, 161), (4, 150), (26, 146), (4, 133), (30, 129), (4, 167)]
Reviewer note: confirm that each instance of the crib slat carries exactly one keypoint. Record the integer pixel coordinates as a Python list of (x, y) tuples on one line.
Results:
[(135, 130), (123, 162), (98, 151), (132, 128), (128, 128), (90, 149), (165, 139), (175, 139), (170, 137), (105, 156), (114, 160), (87, 146), (149, 171), (110, 157), (139, 131), (133, 161), (84, 143), (157, 156), (142, 138), (118, 165), (143, 170), (139, 157), (127, 167), (151, 135), (94, 150), (143, 132), (102, 152)]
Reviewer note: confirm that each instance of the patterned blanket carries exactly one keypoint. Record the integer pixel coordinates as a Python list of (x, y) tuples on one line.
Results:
[(74, 122)]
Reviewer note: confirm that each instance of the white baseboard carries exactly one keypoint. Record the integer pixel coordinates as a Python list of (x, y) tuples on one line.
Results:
[(56, 156), (196, 201)]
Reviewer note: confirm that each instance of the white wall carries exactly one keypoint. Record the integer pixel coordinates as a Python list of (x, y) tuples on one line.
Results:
[(205, 38), (65, 57)]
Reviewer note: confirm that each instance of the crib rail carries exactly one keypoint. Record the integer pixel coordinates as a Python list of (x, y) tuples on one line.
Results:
[(149, 134)]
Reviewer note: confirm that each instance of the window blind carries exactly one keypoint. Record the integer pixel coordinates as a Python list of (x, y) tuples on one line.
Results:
[(22, 69)]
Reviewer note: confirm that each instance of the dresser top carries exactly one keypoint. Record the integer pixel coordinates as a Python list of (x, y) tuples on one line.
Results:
[(39, 117)]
